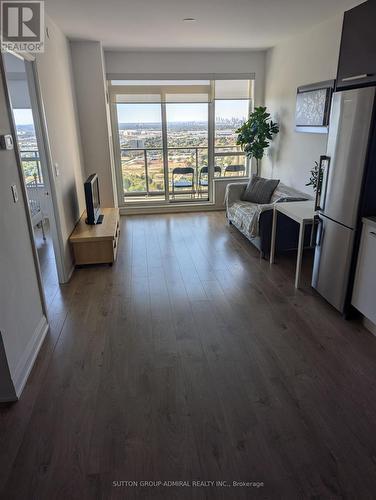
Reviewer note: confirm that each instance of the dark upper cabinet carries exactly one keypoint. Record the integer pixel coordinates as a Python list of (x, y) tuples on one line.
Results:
[(357, 59)]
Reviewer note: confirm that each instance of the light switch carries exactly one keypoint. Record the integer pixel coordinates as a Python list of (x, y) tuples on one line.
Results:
[(14, 193), (6, 141), (57, 169)]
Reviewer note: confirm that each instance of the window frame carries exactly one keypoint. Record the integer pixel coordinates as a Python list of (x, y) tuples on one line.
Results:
[(114, 90)]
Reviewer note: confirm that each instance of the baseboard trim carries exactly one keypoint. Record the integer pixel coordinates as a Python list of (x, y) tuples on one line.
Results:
[(27, 361), (70, 272), (10, 399), (171, 209), (367, 323)]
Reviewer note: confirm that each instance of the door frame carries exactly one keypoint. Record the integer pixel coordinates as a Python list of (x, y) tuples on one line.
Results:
[(46, 162), (165, 152), (187, 201), (23, 187), (117, 153), (117, 156), (46, 165)]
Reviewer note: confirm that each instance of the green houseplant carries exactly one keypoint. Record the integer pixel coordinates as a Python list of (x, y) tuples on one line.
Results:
[(255, 134), (315, 176)]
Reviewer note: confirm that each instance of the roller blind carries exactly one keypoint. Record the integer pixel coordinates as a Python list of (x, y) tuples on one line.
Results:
[(232, 89), (167, 94), (159, 83), (179, 92), (136, 98), (187, 97)]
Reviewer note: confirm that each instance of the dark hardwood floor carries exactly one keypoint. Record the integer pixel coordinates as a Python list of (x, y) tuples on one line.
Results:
[(47, 263), (192, 359)]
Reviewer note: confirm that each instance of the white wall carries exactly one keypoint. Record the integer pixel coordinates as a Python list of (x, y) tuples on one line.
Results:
[(122, 63), (17, 82), (55, 75), (22, 321), (90, 87), (308, 58)]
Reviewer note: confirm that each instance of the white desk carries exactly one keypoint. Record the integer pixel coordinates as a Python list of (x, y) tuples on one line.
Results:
[(303, 212)]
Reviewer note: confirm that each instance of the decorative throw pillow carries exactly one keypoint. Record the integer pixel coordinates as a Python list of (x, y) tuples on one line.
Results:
[(259, 190)]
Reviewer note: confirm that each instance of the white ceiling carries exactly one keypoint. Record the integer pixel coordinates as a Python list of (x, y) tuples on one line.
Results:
[(221, 24)]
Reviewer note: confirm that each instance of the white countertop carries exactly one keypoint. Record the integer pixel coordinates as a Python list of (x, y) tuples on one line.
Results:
[(299, 211)]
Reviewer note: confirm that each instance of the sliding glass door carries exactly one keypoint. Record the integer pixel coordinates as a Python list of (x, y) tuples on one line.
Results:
[(229, 116), (141, 151), (187, 144), (172, 138)]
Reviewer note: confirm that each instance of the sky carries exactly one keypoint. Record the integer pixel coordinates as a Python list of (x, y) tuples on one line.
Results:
[(198, 112), (151, 113), (23, 116)]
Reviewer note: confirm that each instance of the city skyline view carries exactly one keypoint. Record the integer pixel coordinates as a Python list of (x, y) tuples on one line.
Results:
[(140, 127), (187, 125)]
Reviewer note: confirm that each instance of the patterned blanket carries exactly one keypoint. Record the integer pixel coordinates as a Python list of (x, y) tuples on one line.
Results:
[(246, 216)]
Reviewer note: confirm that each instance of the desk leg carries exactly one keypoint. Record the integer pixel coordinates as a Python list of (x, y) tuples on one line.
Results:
[(300, 254), (274, 231)]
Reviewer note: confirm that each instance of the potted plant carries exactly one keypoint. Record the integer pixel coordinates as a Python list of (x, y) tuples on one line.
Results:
[(255, 134), (316, 176)]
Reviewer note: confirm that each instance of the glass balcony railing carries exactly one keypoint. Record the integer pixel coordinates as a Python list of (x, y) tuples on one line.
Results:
[(143, 170)]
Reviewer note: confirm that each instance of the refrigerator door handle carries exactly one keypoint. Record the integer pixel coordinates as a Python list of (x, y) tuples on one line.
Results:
[(318, 190), (322, 180), (319, 230)]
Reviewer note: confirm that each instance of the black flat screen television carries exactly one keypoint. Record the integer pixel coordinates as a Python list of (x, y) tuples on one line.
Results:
[(92, 198)]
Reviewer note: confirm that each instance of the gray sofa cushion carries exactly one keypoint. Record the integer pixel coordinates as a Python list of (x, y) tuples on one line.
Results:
[(259, 190)]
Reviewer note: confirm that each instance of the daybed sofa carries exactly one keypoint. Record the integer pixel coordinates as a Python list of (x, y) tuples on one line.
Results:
[(255, 221)]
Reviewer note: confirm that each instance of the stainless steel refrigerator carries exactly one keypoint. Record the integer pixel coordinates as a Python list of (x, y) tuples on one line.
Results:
[(339, 192)]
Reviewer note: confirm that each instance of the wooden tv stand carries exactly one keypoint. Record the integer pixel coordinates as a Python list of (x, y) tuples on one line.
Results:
[(96, 244)]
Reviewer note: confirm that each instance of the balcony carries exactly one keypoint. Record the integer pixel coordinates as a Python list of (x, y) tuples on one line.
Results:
[(31, 166), (143, 173)]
